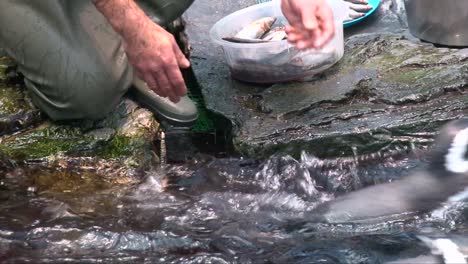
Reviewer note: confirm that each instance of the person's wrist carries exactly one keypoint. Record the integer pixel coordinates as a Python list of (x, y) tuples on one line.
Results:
[(125, 17)]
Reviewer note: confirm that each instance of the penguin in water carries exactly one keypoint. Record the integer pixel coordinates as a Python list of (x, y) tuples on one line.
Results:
[(445, 178), (444, 250)]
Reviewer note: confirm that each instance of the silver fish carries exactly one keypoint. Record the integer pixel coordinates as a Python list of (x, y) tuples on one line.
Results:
[(256, 29), (362, 2), (275, 36), (241, 40), (302, 58), (253, 32)]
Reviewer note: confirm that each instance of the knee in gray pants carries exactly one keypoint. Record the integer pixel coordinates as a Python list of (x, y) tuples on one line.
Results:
[(92, 97), (73, 61)]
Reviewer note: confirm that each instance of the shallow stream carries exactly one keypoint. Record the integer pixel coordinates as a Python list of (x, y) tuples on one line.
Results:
[(208, 210)]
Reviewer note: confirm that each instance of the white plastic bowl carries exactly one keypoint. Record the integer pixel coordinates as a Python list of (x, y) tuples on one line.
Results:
[(277, 61)]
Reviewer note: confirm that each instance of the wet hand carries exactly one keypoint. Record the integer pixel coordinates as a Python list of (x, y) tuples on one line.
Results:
[(157, 60), (311, 22)]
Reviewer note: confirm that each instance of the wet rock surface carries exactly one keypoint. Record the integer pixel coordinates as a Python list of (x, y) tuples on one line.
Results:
[(388, 90), (16, 111)]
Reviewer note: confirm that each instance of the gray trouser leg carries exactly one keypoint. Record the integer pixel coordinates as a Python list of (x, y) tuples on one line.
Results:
[(164, 11), (73, 62)]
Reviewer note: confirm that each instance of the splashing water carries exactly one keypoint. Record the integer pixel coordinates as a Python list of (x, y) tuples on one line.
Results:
[(208, 210)]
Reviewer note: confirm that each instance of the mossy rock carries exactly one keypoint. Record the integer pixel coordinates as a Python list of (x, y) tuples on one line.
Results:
[(125, 137), (16, 110)]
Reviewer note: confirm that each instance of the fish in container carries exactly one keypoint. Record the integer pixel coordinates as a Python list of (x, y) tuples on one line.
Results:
[(258, 52)]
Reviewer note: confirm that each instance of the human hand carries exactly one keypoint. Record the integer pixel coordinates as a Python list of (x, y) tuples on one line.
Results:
[(358, 8), (151, 50), (311, 22), (157, 60)]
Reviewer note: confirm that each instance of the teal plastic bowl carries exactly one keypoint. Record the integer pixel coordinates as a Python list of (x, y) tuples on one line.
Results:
[(374, 3)]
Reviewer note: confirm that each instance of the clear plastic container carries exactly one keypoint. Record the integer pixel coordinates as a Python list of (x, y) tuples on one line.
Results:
[(276, 61)]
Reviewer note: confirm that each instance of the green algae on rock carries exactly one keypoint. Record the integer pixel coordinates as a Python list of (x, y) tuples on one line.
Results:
[(126, 134), (116, 145)]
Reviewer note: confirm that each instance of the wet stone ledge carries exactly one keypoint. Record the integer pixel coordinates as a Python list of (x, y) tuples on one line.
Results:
[(389, 90)]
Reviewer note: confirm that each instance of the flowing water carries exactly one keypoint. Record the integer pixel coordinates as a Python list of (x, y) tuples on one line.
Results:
[(207, 210)]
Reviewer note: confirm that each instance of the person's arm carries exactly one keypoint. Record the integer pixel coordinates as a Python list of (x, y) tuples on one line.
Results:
[(311, 22), (151, 50)]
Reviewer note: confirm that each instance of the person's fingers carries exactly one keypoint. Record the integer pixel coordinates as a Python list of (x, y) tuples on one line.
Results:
[(174, 98), (305, 40), (316, 28), (182, 61), (176, 79), (325, 17), (292, 30), (360, 8), (165, 86), (353, 14), (173, 73), (302, 44), (289, 29), (309, 18), (152, 83), (163, 83), (309, 40), (306, 44), (294, 37), (298, 34)]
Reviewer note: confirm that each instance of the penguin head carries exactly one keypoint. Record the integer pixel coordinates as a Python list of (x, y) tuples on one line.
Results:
[(449, 154)]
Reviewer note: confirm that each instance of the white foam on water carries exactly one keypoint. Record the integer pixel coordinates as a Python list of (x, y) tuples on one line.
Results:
[(456, 163), (450, 251), (458, 197), (446, 248), (454, 160)]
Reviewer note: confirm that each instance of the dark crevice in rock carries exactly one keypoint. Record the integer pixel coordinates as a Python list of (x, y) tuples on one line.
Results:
[(216, 128), (430, 65), (19, 121), (177, 29), (16, 110), (449, 90)]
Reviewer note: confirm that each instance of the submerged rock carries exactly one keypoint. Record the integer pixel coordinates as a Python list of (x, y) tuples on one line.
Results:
[(389, 89)]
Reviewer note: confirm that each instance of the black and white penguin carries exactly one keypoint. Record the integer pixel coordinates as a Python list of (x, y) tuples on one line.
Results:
[(445, 178), (444, 250)]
